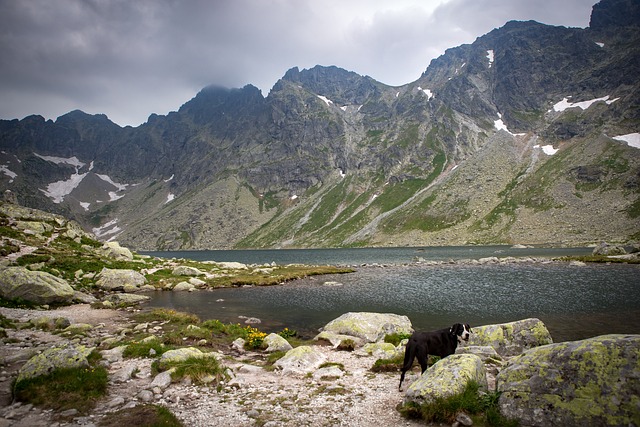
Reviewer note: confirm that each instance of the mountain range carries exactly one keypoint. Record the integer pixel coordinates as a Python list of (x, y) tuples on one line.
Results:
[(528, 135)]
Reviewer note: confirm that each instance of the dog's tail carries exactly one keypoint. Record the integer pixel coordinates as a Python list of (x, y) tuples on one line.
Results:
[(409, 355)]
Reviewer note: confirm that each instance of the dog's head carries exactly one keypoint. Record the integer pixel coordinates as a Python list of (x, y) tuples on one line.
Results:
[(461, 330)]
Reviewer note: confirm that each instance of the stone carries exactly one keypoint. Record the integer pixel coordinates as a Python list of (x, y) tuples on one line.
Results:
[(447, 377), (300, 361), (233, 265), (184, 270), (38, 287), (381, 350), (594, 381), (116, 279), (68, 356), (275, 342), (510, 339), (125, 373), (606, 249), (84, 298), (78, 328), (180, 355), (329, 372), (162, 380), (487, 353), (50, 323), (115, 251), (338, 340), (183, 287), (114, 355), (145, 395), (371, 327), (238, 344), (126, 299)]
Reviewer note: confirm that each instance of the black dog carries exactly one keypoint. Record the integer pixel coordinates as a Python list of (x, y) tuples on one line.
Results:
[(440, 343)]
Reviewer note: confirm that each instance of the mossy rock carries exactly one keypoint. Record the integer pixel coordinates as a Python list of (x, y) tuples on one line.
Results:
[(590, 382)]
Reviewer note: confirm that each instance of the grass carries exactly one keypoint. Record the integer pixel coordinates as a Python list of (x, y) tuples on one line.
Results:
[(63, 389), (483, 408), (143, 349), (142, 416), (201, 370)]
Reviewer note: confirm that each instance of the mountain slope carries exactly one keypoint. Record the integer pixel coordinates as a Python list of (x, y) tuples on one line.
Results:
[(510, 139)]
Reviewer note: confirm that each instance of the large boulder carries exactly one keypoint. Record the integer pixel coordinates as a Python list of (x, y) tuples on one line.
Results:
[(301, 360), (120, 279), (447, 377), (181, 355), (510, 339), (580, 383), (68, 356), (275, 342), (126, 299), (371, 327), (185, 270), (37, 287), (606, 249), (115, 251)]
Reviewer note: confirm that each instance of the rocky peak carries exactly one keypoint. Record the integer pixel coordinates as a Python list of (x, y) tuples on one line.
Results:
[(612, 14)]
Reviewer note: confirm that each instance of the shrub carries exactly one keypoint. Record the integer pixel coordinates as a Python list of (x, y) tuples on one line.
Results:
[(396, 338), (254, 338), (142, 349), (141, 415)]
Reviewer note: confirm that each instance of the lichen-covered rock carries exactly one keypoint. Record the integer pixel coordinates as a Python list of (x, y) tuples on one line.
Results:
[(115, 251), (180, 355), (371, 327), (47, 323), (606, 249), (183, 287), (579, 383), (78, 328), (339, 339), (185, 270), (233, 265), (510, 339), (37, 287), (300, 360), (125, 299), (381, 350), (275, 342), (51, 359), (447, 377), (116, 279)]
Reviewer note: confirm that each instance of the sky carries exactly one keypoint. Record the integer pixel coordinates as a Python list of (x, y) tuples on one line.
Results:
[(128, 59)]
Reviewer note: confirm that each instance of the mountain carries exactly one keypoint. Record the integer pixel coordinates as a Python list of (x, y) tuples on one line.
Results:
[(530, 135)]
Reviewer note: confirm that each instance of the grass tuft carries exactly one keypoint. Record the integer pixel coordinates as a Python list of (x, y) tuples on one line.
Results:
[(142, 415)]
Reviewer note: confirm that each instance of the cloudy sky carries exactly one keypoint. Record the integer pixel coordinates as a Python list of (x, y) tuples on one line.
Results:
[(128, 59)]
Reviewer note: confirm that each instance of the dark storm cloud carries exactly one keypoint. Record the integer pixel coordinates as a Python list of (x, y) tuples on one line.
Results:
[(128, 59)]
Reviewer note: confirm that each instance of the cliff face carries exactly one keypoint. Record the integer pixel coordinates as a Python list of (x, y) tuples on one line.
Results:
[(519, 137)]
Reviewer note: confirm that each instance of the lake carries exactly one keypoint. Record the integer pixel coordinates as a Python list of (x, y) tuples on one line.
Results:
[(574, 302)]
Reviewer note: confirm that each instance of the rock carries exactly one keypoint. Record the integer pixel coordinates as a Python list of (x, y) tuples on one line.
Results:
[(180, 355), (371, 327), (125, 373), (37, 287), (329, 372), (487, 353), (68, 356), (339, 340), (238, 344), (233, 265), (184, 287), (510, 339), (447, 377), (116, 279), (590, 382), (197, 282), (184, 270), (275, 342), (126, 299), (47, 323), (115, 251), (145, 395), (381, 350), (84, 298), (162, 380), (78, 328), (606, 249), (114, 355), (300, 361)]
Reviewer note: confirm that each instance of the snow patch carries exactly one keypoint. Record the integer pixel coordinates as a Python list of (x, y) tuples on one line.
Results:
[(547, 149), (426, 92), (564, 104), (325, 99), (600, 44), (170, 197), (73, 161), (59, 189), (344, 107), (106, 178), (490, 57), (342, 174), (169, 179), (294, 197), (106, 229), (632, 139), (85, 205), (5, 170)]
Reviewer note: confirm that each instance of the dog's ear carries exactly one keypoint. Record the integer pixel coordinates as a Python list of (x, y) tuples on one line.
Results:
[(468, 327), (456, 329)]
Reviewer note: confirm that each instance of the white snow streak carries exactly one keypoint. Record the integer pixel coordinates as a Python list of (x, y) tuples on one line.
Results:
[(106, 178), (325, 99), (85, 205), (110, 227), (170, 197), (490, 57), (564, 104), (294, 197), (5, 169), (600, 44), (59, 189), (426, 92), (547, 149), (169, 179), (632, 139), (73, 161)]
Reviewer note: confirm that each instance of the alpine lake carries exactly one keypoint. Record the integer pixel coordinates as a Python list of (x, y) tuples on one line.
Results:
[(574, 301)]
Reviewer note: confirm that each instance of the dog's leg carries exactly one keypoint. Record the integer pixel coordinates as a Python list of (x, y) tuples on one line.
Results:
[(423, 357)]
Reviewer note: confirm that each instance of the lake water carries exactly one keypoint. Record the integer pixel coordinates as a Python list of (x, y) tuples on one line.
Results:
[(574, 302)]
